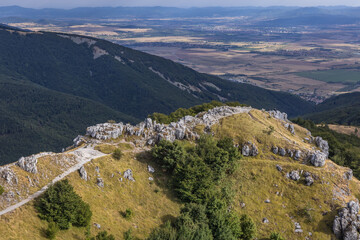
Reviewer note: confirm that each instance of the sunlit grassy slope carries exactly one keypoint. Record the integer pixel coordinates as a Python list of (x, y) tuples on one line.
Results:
[(255, 181)]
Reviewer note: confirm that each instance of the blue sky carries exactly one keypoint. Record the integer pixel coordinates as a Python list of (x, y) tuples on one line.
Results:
[(174, 3)]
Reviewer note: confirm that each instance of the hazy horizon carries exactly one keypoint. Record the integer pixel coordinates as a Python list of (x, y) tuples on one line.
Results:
[(67, 4)]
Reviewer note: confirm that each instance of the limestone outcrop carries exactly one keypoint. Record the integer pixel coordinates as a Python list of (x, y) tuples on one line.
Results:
[(346, 224)]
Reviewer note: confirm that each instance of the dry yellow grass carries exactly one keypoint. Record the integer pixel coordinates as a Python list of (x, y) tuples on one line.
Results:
[(345, 129), (151, 201), (256, 180)]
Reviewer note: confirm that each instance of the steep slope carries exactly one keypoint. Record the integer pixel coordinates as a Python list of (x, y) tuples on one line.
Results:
[(343, 109), (34, 119), (123, 81), (263, 185)]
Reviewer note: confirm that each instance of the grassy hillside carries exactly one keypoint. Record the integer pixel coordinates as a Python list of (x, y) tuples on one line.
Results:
[(343, 109), (255, 180), (84, 80)]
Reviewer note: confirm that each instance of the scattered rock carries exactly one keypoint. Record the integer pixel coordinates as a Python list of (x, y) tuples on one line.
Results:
[(151, 169), (151, 179), (100, 182), (279, 168), (282, 152), (323, 145), (298, 228), (8, 175), (317, 158), (297, 154), (83, 173), (267, 201), (97, 225), (309, 181), (242, 205), (249, 149), (129, 175), (293, 175), (97, 169), (278, 115), (265, 220), (275, 150), (348, 175), (291, 129)]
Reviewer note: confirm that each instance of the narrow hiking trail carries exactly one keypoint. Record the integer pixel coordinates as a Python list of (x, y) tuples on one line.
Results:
[(83, 155)]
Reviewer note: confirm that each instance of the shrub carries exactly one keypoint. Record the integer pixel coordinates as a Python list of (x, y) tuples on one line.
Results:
[(1, 190), (168, 154), (128, 214), (52, 230), (128, 235), (117, 154), (61, 205), (276, 236), (248, 228), (103, 236)]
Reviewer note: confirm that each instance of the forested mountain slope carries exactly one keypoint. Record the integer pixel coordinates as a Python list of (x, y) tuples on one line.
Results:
[(128, 82)]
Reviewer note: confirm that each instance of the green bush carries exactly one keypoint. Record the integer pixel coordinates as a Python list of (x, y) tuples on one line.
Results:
[(1, 190), (128, 235), (61, 205), (128, 214), (198, 180), (103, 236), (276, 236), (117, 154), (168, 154), (248, 228), (52, 230)]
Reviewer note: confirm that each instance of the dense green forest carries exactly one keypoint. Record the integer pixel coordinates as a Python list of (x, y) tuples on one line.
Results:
[(343, 109), (344, 149), (52, 88)]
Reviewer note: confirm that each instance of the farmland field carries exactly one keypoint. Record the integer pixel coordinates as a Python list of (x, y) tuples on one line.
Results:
[(333, 76)]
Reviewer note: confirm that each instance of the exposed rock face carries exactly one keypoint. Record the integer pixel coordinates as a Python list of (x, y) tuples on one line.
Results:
[(100, 182), (249, 149), (78, 140), (8, 175), (83, 173), (129, 175), (347, 222), (153, 132), (278, 115), (29, 163), (323, 145), (317, 158), (293, 175), (105, 131)]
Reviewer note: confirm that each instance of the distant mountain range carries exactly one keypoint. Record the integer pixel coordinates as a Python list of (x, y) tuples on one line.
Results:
[(54, 85), (281, 15)]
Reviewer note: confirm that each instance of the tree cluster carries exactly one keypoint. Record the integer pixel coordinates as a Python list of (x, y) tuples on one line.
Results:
[(199, 180)]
